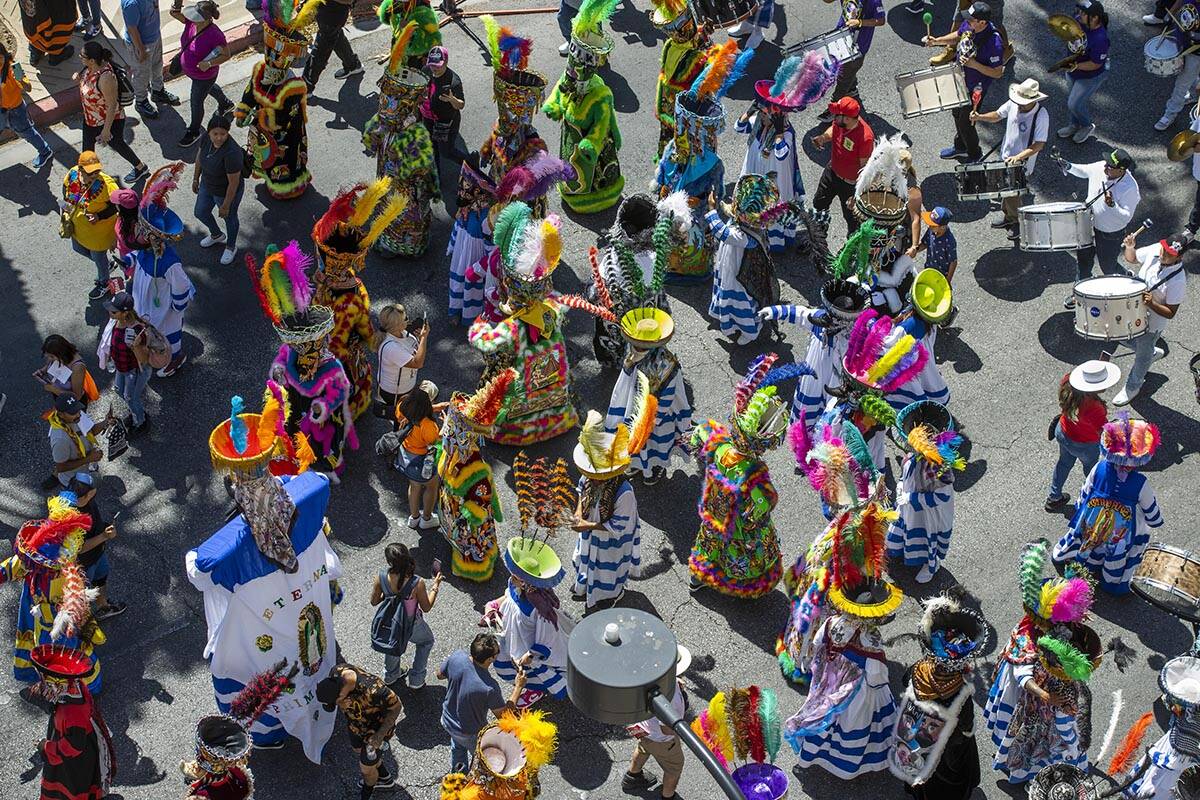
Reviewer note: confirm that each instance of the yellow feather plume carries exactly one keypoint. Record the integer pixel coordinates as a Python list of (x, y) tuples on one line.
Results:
[(400, 47), (452, 785), (593, 439), (718, 725), (890, 359), (394, 208), (59, 508), (551, 244), (620, 444), (269, 422), (538, 736), (1050, 592), (645, 410), (304, 453), (307, 13), (920, 439), (365, 205)]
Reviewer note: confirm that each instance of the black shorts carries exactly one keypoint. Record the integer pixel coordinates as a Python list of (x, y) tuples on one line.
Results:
[(367, 756)]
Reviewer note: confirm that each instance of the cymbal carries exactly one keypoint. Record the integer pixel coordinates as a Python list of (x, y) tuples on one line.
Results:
[(1064, 27), (1181, 145)]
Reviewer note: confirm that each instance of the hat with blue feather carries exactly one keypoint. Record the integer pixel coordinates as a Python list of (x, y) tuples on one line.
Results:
[(760, 416)]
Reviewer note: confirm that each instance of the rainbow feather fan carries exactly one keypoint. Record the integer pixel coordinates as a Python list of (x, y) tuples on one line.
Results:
[(720, 58), (485, 405), (1065, 600)]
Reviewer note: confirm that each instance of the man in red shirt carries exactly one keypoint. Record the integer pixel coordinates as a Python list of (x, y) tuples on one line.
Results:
[(853, 140)]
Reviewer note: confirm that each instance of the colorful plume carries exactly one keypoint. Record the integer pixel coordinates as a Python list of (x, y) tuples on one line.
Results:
[(1122, 760), (1075, 664), (509, 51), (400, 47), (591, 15)]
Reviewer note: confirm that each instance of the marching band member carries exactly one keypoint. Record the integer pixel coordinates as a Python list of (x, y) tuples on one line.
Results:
[(1185, 81), (1159, 265), (1110, 215), (1027, 126), (1193, 223), (864, 16), (980, 52), (1088, 73)]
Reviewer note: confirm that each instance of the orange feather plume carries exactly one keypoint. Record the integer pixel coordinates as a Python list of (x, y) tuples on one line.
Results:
[(400, 47), (1123, 758), (721, 60), (641, 424)]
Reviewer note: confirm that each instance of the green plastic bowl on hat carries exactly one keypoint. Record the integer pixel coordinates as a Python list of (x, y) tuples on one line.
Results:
[(931, 296)]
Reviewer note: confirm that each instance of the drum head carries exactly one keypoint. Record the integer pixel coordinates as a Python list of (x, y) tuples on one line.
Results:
[(1180, 680), (1169, 578), (1162, 47), (1051, 208), (1109, 286)]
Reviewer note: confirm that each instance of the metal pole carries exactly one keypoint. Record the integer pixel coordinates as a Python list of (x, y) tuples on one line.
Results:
[(666, 715)]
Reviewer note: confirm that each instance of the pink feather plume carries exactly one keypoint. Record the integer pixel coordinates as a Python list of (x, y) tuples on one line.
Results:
[(858, 335), (295, 262), (798, 437), (1073, 602)]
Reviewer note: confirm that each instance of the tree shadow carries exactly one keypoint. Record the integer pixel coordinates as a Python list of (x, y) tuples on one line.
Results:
[(941, 189)]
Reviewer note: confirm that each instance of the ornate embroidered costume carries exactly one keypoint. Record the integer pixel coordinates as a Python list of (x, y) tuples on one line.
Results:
[(77, 756), (682, 60)]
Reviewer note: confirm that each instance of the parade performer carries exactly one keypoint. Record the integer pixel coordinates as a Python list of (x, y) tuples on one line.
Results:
[(846, 722), (221, 770), (55, 603), (690, 161), (1032, 707), (518, 92), (683, 59), (1116, 508), (468, 504), (426, 34), (1179, 748), (508, 755), (161, 288), (881, 195), (48, 25), (829, 326), (318, 390), (78, 762), (470, 238), (931, 304), (343, 235), (772, 148), (933, 745), (274, 104), (925, 495), (532, 631), (529, 338), (608, 550), (744, 280), (737, 551), (582, 101), (403, 151), (269, 576)]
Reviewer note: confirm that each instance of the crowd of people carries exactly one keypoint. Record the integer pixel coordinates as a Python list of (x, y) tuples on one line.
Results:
[(868, 376)]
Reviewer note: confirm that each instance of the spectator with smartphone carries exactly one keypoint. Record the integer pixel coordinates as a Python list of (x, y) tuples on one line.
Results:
[(442, 111), (65, 372), (419, 425), (401, 354), (371, 710), (73, 446), (126, 349), (92, 557), (400, 581), (471, 692)]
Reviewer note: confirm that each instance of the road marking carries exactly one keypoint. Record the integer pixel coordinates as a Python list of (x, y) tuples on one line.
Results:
[(1118, 702)]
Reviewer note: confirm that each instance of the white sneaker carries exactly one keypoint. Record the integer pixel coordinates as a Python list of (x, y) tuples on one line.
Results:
[(412, 522), (1164, 122), (1159, 353), (227, 256), (210, 240), (1083, 134), (1067, 131), (1124, 398), (430, 522), (1151, 19), (564, 48), (743, 28), (925, 575)]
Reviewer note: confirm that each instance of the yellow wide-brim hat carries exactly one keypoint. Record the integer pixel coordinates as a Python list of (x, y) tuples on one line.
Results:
[(931, 296), (646, 328)]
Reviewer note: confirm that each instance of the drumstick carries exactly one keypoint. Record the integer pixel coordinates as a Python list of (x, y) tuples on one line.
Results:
[(927, 18), (1147, 224)]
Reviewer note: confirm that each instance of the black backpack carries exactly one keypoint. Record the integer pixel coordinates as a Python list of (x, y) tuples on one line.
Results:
[(393, 624), (125, 95)]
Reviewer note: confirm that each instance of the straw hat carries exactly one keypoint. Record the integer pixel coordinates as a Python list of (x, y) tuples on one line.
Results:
[(1026, 92), (1095, 376), (600, 455)]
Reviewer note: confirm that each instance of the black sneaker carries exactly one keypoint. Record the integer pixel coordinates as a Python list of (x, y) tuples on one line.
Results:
[(226, 110), (91, 33), (635, 781), (656, 475), (133, 431), (189, 138), (35, 56), (145, 109), (269, 745), (1014, 235), (345, 72), (136, 174), (1057, 502), (1001, 224), (165, 97), (385, 781), (113, 609), (67, 52), (98, 291)]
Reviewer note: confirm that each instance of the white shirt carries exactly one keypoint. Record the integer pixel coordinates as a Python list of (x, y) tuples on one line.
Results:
[(1150, 269), (1125, 193), (655, 730), (1196, 158), (394, 353), (1016, 130)]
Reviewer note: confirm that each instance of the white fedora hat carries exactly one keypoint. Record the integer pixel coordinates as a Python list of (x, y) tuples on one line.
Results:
[(1095, 376), (683, 660), (1026, 92)]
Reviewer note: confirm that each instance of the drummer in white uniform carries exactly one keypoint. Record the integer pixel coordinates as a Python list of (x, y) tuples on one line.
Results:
[(1026, 129), (1184, 90), (1153, 264), (1193, 224), (1111, 213)]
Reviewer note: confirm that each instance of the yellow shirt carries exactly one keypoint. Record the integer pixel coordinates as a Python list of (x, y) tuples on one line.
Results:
[(101, 234)]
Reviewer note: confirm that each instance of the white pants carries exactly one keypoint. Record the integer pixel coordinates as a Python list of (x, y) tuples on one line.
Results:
[(1185, 82), (148, 74)]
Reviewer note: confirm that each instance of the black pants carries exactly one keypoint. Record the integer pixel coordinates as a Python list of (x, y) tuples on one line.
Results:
[(1194, 218), (331, 20), (202, 90), (1107, 247), (847, 82), (966, 137), (449, 147), (91, 134), (1160, 8), (831, 186)]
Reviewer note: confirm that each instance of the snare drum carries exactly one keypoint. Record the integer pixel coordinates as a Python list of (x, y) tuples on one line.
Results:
[(990, 180), (1050, 227), (841, 43), (1110, 308), (1169, 578), (1163, 57), (927, 91), (724, 13)]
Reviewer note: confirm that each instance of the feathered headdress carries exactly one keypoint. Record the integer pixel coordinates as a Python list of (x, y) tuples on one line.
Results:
[(1058, 600), (741, 725), (288, 15), (400, 47), (59, 538), (281, 284), (1073, 662), (533, 179), (601, 454), (800, 81), (854, 259), (726, 64), (538, 736), (160, 185), (841, 477), (884, 168), (1129, 443), (591, 15), (509, 51), (881, 355), (351, 224), (759, 415), (927, 429)]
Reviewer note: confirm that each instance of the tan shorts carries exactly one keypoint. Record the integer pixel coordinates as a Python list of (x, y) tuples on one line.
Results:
[(669, 755)]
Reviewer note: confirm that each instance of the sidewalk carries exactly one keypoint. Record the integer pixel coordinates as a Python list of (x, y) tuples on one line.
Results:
[(54, 94)]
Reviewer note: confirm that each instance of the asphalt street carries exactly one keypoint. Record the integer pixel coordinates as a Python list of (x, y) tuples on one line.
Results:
[(1003, 365)]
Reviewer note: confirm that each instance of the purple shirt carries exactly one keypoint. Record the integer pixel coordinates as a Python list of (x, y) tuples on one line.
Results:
[(1095, 51), (194, 48), (989, 51), (869, 9)]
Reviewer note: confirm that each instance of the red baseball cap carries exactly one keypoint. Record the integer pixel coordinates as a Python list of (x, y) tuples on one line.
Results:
[(847, 106)]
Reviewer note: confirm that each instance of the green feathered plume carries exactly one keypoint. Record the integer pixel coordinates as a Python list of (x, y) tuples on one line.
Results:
[(662, 251), (874, 406), (1075, 664), (750, 420), (591, 14), (509, 230), (857, 447), (1033, 564), (768, 714), (855, 255), (492, 29)]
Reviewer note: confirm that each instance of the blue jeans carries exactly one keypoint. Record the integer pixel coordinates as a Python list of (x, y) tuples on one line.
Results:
[(98, 257), (1086, 453), (422, 640), (97, 574), (206, 201), (461, 748), (1143, 356), (17, 118), (1079, 97), (132, 386), (90, 10), (566, 14)]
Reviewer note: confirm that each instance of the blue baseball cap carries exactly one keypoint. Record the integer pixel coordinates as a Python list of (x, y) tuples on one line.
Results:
[(940, 215)]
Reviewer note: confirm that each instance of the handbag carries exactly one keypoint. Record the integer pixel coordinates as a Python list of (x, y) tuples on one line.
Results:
[(175, 65), (1053, 428), (117, 439), (66, 225)]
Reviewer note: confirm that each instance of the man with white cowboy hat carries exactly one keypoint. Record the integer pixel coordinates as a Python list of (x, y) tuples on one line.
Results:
[(1027, 126), (657, 741), (1077, 428)]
